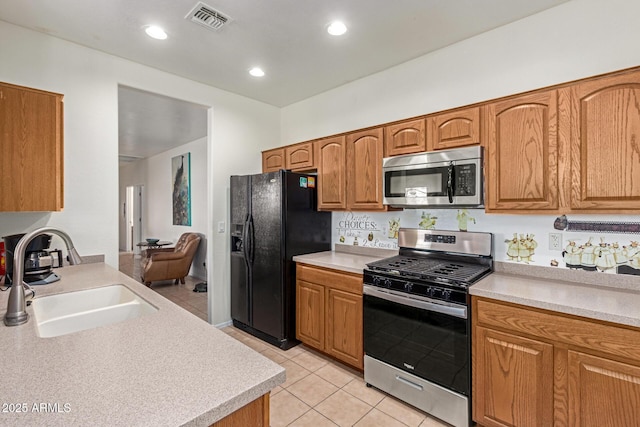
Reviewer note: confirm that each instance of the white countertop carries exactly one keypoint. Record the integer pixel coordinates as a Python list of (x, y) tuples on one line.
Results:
[(606, 303), (343, 261), (168, 368)]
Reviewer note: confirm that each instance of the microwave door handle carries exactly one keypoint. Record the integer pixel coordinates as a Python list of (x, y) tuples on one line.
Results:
[(451, 177)]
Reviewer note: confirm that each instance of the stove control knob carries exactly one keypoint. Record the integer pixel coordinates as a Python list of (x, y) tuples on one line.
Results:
[(446, 294), (376, 280), (430, 291), (387, 283), (408, 286)]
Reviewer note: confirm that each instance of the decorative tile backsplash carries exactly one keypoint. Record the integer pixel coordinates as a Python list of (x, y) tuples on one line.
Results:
[(520, 239)]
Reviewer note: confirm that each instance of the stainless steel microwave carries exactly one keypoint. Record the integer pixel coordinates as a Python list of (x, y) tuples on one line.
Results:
[(440, 179)]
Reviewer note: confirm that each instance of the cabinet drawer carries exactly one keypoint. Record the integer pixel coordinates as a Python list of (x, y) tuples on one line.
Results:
[(579, 332), (348, 282)]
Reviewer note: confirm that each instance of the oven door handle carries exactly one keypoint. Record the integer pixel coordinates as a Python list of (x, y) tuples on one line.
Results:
[(460, 312)]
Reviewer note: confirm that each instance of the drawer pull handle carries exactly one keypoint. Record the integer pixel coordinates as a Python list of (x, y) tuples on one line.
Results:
[(409, 383)]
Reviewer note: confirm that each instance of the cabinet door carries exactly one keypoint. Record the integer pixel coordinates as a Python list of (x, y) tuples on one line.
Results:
[(273, 160), (522, 153), (602, 392), (512, 380), (310, 313), (299, 156), (405, 138), (31, 137), (605, 143), (364, 170), (344, 327), (331, 161), (455, 129)]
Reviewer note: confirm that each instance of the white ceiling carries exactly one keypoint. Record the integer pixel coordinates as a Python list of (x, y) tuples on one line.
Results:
[(287, 38)]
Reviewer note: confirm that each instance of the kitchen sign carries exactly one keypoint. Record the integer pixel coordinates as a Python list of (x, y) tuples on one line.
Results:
[(360, 229)]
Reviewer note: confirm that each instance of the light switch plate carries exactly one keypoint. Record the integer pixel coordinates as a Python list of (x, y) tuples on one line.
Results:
[(221, 227)]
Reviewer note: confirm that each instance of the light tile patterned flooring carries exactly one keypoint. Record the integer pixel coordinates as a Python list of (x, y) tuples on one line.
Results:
[(318, 392), (321, 392), (182, 295)]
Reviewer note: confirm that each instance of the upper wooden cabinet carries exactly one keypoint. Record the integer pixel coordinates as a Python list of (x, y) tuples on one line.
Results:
[(522, 153), (330, 154), (364, 169), (299, 157), (455, 129), (273, 160), (31, 137), (605, 143), (405, 138)]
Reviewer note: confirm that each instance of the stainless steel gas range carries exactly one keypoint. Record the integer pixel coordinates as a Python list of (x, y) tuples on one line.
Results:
[(417, 325)]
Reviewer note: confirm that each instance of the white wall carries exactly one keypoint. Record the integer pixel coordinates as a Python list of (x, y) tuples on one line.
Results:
[(577, 39), (238, 129), (154, 174)]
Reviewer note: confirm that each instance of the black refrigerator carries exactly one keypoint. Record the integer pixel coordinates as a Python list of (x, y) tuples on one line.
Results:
[(273, 218)]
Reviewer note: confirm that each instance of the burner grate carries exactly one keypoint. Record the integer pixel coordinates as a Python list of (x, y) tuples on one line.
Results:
[(430, 268)]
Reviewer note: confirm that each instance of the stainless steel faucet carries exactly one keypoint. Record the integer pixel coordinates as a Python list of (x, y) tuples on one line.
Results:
[(16, 308)]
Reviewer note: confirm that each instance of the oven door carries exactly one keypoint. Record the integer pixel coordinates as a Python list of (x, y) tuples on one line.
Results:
[(428, 339)]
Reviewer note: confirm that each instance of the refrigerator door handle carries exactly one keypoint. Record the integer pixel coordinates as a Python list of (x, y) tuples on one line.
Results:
[(251, 249), (245, 240)]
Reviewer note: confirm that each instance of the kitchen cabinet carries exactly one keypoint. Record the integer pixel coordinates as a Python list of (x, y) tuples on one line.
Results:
[(331, 155), (31, 136), (605, 143), (534, 367), (364, 169), (522, 153), (405, 138), (255, 414), (329, 312), (273, 160), (299, 157), (457, 128)]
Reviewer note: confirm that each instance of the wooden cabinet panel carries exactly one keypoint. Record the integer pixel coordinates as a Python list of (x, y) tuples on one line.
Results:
[(299, 156), (522, 153), (31, 137), (455, 129), (254, 414), (602, 392), (512, 380), (329, 312), (273, 160), (344, 327), (405, 138), (310, 313), (590, 369), (364, 169), (330, 156), (605, 143)]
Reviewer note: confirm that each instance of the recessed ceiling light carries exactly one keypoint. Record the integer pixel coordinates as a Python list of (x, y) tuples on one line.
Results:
[(155, 32), (256, 72), (337, 28)]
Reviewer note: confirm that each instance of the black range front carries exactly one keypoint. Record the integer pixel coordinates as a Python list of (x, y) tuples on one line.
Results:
[(424, 336), (417, 325)]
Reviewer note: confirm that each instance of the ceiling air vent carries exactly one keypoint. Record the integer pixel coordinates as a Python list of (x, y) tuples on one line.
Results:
[(207, 16)]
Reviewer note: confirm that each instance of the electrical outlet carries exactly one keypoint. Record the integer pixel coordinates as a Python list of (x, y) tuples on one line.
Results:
[(221, 227), (555, 241)]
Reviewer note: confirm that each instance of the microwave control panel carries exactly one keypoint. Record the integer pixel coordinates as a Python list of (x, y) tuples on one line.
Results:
[(465, 180)]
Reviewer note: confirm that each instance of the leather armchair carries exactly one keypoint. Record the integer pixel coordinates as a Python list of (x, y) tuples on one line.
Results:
[(170, 263)]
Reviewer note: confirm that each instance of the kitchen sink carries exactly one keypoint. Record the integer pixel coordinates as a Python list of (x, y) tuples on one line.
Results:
[(70, 312)]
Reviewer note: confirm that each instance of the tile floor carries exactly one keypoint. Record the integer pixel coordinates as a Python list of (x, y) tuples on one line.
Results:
[(321, 392), (182, 295), (318, 392)]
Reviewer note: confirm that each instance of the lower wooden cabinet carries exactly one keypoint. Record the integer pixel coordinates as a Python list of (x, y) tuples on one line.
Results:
[(255, 414), (329, 312), (533, 367), (509, 366)]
